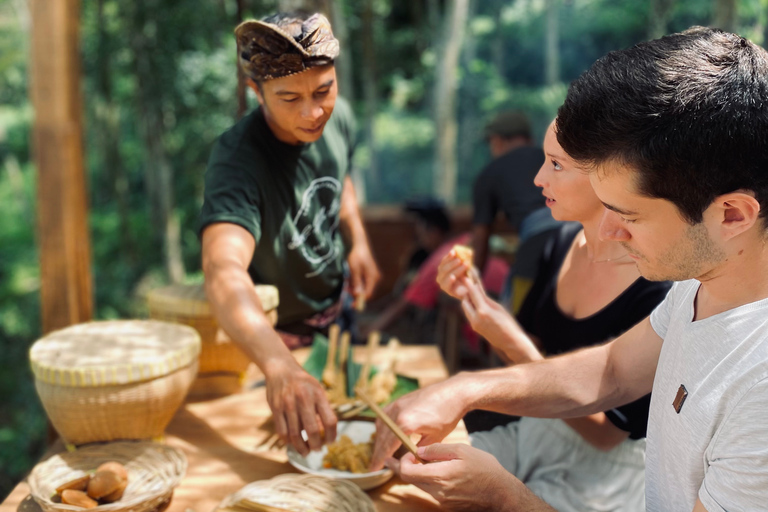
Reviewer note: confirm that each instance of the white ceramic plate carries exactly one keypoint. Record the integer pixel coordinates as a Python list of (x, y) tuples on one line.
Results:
[(358, 432)]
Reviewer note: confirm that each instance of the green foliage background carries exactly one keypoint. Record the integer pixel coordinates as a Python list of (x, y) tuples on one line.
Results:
[(175, 58)]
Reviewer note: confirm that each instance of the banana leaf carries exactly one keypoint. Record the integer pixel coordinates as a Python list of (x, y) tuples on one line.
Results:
[(316, 362)]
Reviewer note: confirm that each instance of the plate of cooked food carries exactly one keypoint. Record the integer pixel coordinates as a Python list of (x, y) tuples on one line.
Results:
[(347, 458)]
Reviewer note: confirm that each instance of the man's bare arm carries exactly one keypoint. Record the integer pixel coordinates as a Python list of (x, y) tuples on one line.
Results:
[(297, 400), (364, 273), (576, 384), (568, 386), (227, 252)]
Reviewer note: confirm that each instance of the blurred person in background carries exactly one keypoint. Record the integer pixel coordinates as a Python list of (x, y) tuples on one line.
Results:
[(506, 185)]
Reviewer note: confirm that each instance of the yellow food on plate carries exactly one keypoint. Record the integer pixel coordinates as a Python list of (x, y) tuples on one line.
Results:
[(465, 254), (345, 455)]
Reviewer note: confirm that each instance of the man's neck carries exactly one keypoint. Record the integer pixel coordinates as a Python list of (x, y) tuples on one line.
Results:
[(510, 145), (741, 279)]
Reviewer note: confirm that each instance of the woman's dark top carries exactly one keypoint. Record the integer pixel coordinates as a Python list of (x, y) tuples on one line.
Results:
[(541, 317)]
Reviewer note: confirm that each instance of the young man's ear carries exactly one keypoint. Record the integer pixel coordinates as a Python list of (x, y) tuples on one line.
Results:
[(255, 88), (740, 211)]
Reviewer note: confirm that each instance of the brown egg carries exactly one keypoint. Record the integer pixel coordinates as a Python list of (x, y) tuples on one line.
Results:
[(78, 484), (116, 494), (77, 498), (103, 483), (114, 467)]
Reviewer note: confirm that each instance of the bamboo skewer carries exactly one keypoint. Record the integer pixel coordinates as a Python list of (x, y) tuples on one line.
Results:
[(389, 422), (329, 372), (373, 343), (342, 375)]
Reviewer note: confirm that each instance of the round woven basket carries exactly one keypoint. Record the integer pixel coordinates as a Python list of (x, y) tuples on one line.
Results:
[(301, 493), (188, 305), (153, 472), (123, 379)]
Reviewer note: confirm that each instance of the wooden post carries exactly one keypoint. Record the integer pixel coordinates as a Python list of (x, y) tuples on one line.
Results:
[(62, 210)]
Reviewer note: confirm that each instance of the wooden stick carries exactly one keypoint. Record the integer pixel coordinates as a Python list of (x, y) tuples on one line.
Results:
[(360, 303), (373, 343), (389, 422), (341, 379), (351, 413), (329, 372)]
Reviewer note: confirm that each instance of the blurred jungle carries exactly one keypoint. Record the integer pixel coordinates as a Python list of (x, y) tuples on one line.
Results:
[(159, 84)]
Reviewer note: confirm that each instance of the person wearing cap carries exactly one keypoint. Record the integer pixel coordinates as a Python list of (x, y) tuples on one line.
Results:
[(280, 208), (506, 184)]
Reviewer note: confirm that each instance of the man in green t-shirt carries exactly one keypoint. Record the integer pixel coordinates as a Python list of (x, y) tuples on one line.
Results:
[(280, 209)]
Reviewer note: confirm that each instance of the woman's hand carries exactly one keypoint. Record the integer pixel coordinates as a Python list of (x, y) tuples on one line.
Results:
[(494, 323), (451, 275)]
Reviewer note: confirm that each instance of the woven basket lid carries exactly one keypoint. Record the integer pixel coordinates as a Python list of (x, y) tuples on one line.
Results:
[(190, 299), (113, 352)]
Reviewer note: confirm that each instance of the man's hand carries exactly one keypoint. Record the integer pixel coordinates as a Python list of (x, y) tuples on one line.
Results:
[(298, 402), (460, 478), (431, 412), (363, 272)]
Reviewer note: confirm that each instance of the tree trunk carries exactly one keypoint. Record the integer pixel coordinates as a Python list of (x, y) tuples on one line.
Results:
[(469, 119), (344, 61), (765, 30), (445, 171), (158, 175), (107, 117), (242, 89), (660, 14), (497, 45), (66, 289), (369, 93), (724, 14), (552, 43)]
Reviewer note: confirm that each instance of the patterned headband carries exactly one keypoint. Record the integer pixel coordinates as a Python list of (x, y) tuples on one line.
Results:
[(283, 45)]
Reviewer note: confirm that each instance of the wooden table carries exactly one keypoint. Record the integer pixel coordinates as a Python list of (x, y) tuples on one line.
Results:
[(220, 437)]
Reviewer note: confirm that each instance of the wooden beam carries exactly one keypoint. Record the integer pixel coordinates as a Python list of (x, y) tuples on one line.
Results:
[(62, 210)]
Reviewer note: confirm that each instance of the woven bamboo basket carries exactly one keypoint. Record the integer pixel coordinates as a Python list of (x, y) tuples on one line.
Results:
[(122, 379), (153, 472), (300, 493), (188, 305)]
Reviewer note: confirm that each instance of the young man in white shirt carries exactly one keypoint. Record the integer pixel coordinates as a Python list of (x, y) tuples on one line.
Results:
[(675, 131)]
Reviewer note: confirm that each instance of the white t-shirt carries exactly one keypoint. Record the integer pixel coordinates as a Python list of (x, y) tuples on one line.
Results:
[(716, 447)]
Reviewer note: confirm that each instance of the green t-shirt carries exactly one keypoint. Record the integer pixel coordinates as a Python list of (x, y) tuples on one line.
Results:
[(288, 197)]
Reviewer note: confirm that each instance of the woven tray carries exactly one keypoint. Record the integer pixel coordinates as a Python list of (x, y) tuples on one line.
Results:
[(301, 493), (104, 381), (188, 305), (153, 472)]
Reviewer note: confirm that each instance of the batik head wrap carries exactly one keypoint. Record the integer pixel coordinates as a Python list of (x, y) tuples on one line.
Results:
[(284, 44)]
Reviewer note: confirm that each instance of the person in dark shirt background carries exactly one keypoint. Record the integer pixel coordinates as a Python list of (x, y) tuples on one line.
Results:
[(506, 185)]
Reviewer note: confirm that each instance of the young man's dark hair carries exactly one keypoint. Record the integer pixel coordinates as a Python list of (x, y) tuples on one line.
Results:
[(701, 130)]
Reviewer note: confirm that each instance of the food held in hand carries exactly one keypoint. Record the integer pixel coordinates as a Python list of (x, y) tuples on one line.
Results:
[(345, 455), (464, 253), (78, 499)]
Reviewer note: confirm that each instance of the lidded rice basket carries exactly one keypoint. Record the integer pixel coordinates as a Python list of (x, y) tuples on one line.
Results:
[(220, 358), (111, 380)]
